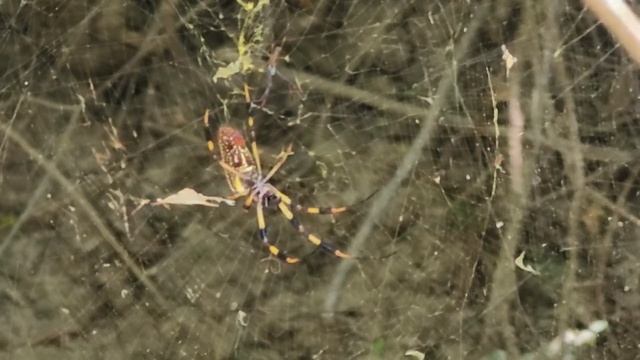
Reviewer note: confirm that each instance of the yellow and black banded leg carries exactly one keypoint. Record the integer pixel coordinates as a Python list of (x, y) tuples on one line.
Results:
[(248, 201), (323, 210), (319, 210), (274, 250), (251, 130), (250, 195), (315, 240), (309, 210), (209, 133)]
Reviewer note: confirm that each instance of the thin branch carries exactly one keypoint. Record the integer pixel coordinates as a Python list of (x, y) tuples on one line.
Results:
[(620, 20), (576, 174), (91, 212), (36, 195), (408, 162)]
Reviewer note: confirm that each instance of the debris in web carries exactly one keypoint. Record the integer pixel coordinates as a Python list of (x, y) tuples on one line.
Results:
[(186, 196), (509, 60), (245, 44), (571, 339), (528, 268), (226, 72), (415, 354), (241, 318)]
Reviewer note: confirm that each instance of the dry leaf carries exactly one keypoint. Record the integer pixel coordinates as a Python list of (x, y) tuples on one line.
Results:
[(226, 72), (416, 354), (509, 59), (188, 196), (241, 318), (520, 263)]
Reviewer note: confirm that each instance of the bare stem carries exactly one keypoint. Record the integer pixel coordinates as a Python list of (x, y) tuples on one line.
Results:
[(429, 118), (91, 212)]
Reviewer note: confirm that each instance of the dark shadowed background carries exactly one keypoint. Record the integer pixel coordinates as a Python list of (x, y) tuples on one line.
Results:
[(499, 139)]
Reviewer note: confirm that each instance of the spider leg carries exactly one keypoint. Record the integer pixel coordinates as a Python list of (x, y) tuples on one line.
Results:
[(235, 196), (229, 168), (251, 131), (263, 98), (274, 250), (280, 160), (248, 201), (209, 133), (309, 210), (315, 240)]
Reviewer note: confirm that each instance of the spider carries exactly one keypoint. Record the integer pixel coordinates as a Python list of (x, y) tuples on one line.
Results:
[(245, 178)]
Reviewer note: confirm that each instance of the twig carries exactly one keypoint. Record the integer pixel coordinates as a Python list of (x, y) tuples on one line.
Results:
[(496, 164), (408, 162), (620, 21), (619, 210), (576, 174), (40, 189), (91, 212)]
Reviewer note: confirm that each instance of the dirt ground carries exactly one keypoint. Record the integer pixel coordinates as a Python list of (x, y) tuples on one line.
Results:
[(486, 149)]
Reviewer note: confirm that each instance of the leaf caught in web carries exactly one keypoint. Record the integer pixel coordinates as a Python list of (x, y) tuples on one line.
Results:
[(226, 72), (414, 353), (509, 60), (188, 196), (520, 263)]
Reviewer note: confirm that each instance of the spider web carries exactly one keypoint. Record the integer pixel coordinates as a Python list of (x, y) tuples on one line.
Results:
[(498, 140)]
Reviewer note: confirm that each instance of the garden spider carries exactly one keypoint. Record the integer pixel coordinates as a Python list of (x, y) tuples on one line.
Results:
[(245, 178)]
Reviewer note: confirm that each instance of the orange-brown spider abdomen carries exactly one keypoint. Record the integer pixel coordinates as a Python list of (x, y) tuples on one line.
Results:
[(235, 154)]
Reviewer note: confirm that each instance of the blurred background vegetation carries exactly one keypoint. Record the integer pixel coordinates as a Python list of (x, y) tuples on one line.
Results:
[(499, 139)]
